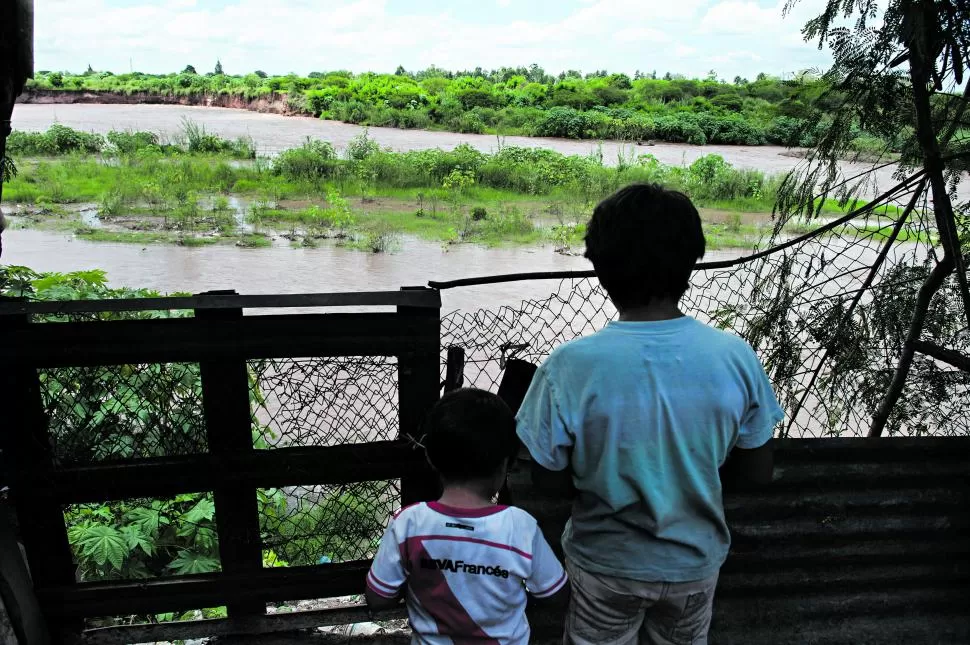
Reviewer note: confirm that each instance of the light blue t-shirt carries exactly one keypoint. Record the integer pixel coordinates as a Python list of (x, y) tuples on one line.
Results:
[(645, 413)]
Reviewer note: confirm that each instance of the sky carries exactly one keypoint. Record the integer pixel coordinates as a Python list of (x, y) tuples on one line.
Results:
[(689, 37)]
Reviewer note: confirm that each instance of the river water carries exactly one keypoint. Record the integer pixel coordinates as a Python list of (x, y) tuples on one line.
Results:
[(281, 269)]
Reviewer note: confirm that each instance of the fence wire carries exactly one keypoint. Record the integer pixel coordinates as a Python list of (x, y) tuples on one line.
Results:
[(827, 310)]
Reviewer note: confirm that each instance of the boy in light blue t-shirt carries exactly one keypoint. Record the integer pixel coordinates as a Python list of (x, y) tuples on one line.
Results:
[(636, 420)]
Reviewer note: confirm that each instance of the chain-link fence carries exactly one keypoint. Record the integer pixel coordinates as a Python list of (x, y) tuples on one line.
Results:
[(827, 311)]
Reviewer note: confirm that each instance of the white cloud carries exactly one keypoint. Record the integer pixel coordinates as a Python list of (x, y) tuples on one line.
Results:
[(641, 34), (279, 36), (735, 17)]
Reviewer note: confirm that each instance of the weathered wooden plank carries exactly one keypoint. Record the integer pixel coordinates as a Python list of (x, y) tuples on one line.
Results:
[(795, 553), (165, 476), (830, 476), (228, 422), (860, 527), (119, 598), (420, 298), (418, 389), (776, 505), (876, 450), (248, 626), (845, 576), (26, 449), (193, 340)]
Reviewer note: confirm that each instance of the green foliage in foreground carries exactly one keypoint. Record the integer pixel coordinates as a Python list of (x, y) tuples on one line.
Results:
[(138, 411), (513, 101)]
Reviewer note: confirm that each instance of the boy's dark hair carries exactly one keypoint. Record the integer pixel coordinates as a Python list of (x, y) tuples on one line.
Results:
[(469, 434), (644, 241)]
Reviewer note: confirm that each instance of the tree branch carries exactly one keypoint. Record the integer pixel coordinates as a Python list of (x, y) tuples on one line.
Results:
[(920, 68), (883, 253), (948, 356), (930, 286)]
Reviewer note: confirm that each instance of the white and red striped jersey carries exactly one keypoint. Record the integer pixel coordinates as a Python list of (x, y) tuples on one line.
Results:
[(467, 572)]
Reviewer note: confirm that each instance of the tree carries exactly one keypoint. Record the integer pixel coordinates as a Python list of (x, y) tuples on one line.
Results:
[(260, 73), (189, 69), (900, 76), (400, 71), (89, 71), (218, 70)]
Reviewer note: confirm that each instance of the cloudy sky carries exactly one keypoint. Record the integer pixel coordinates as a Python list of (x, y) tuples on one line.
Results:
[(691, 37)]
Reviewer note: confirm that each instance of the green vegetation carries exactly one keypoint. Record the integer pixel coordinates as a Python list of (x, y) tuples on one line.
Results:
[(520, 100), (365, 199), (154, 410), (60, 140)]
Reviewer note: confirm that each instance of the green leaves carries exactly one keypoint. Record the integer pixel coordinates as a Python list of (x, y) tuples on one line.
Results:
[(188, 563), (204, 509), (135, 538), (103, 544)]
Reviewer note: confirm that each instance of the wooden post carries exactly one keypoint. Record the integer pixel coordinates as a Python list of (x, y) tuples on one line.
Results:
[(17, 54), (26, 449), (454, 369), (228, 420), (419, 374)]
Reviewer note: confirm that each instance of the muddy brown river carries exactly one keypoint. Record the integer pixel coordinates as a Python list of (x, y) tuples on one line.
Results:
[(327, 268)]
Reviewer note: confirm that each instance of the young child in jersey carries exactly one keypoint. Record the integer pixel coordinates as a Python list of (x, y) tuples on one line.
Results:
[(465, 563)]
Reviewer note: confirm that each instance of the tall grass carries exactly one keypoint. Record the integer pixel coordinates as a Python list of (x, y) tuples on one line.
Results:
[(62, 140)]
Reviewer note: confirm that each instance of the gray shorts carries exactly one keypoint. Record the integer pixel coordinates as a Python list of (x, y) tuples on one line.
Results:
[(604, 610)]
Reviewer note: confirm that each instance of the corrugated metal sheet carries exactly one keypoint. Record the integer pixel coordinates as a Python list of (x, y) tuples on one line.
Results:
[(856, 541)]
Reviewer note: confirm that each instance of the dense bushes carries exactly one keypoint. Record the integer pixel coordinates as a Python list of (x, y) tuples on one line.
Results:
[(61, 140), (510, 101), (57, 140), (313, 160), (148, 175)]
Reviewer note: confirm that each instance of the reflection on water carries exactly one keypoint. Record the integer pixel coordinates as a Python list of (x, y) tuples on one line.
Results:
[(89, 217), (281, 269)]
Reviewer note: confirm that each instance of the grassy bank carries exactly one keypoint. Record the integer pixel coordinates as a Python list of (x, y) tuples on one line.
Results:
[(148, 191)]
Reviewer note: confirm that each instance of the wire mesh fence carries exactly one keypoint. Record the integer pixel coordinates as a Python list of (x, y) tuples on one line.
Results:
[(826, 305), (324, 402), (306, 525), (113, 412)]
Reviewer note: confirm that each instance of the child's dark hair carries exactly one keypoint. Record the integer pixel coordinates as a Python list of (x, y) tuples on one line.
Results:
[(469, 434), (644, 241)]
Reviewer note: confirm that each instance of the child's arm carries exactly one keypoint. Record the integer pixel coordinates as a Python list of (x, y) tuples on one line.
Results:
[(543, 430), (548, 584), (752, 466), (378, 602), (387, 576), (556, 483), (751, 461)]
